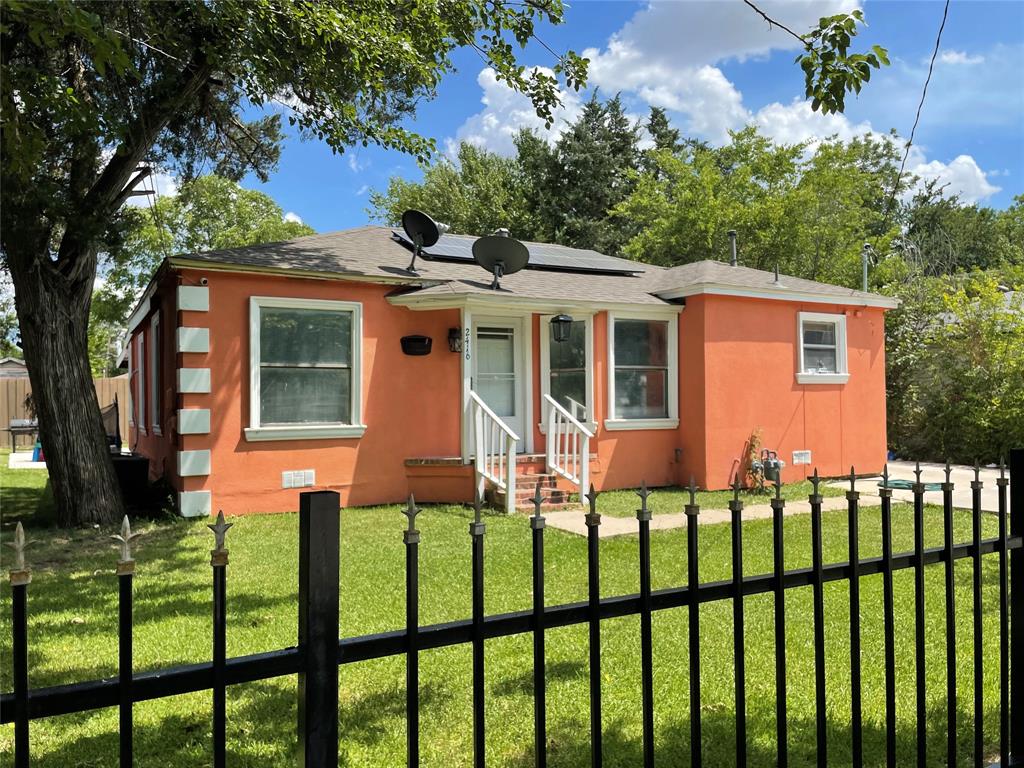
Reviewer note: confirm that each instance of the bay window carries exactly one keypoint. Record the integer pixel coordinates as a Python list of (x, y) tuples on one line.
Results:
[(304, 369), (643, 381)]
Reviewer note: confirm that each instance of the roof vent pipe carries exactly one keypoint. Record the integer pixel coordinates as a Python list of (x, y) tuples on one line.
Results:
[(732, 245), (865, 257), (501, 232)]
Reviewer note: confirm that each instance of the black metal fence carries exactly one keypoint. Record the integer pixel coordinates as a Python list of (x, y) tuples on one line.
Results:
[(319, 653)]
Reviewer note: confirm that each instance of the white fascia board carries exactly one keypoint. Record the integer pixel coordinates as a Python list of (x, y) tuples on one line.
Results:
[(530, 305), (780, 294)]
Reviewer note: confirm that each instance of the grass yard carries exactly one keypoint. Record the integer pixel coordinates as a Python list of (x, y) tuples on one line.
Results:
[(72, 609), (625, 503)]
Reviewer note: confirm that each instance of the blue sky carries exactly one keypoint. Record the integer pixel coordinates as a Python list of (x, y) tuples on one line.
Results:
[(716, 66)]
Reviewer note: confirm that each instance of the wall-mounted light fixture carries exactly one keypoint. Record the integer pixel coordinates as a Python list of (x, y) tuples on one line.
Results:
[(561, 327), (455, 339)]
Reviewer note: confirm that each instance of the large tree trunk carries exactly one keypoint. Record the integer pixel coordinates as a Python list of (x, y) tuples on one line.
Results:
[(53, 313)]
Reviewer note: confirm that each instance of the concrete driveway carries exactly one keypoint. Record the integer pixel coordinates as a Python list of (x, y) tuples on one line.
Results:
[(961, 477)]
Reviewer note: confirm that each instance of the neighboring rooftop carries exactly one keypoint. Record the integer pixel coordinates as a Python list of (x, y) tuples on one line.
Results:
[(556, 273)]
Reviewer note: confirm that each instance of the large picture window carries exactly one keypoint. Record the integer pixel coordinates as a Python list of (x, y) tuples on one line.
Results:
[(305, 369), (822, 343), (644, 377)]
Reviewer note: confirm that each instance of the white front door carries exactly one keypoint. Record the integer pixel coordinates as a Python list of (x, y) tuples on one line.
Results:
[(498, 373)]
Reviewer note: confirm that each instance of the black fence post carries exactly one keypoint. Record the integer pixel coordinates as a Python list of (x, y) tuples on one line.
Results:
[(693, 591), (319, 521), (594, 610), (20, 578), (921, 700), (888, 600), (539, 682), (643, 516), (1002, 483), (219, 563), (778, 505), (476, 532), (125, 575), (951, 698), (979, 700), (1017, 609), (411, 537), (820, 706), (853, 541), (739, 660)]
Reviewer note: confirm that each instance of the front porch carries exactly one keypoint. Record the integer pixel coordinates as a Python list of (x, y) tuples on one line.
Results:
[(450, 479)]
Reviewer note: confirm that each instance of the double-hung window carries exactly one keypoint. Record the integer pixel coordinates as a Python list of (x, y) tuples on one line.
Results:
[(566, 368), (141, 421), (304, 369), (643, 385), (822, 349)]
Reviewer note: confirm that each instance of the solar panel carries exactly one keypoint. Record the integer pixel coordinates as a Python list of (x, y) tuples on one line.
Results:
[(542, 256)]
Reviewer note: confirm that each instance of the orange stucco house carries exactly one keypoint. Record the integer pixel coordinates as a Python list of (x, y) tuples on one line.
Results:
[(324, 362)]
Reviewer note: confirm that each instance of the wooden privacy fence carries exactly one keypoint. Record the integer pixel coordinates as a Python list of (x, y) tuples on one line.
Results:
[(320, 651), (14, 390)]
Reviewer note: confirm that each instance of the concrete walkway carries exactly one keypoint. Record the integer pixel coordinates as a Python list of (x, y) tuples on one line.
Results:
[(573, 521), (23, 460), (961, 477)]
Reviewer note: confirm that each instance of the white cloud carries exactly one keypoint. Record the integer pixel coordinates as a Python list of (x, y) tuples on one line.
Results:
[(355, 164), (293, 217), (505, 112), (962, 177), (959, 57), (667, 54), (362, 190)]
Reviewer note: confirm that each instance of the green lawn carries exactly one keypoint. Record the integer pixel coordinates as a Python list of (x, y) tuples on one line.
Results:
[(625, 503), (72, 607)]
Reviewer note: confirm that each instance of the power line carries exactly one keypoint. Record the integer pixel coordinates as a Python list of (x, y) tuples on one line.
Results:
[(917, 117)]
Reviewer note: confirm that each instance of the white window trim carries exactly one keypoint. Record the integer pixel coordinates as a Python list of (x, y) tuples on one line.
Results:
[(545, 369), (842, 375), (672, 421), (131, 380), (154, 374), (255, 432), (142, 382)]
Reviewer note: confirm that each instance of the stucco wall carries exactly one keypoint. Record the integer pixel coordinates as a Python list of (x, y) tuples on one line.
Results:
[(750, 364)]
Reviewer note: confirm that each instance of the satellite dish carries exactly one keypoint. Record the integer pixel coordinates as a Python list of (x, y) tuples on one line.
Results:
[(500, 255), (423, 232)]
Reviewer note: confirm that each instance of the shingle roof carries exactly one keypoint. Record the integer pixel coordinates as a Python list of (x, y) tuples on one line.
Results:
[(374, 253)]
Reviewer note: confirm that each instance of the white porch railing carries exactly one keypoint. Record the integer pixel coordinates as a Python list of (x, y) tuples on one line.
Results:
[(494, 448), (568, 447)]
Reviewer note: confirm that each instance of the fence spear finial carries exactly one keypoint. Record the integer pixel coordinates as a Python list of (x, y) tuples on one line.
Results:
[(853, 479), (977, 471), (410, 511), (126, 538), (538, 499), (1002, 467), (220, 529), (815, 480), (643, 493), (18, 545), (917, 472), (885, 475), (948, 470), (693, 492), (592, 499), (478, 505), (736, 487)]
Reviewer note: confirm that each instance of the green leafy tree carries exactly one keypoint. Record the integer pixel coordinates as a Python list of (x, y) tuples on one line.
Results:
[(476, 193), (91, 92), (955, 371)]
